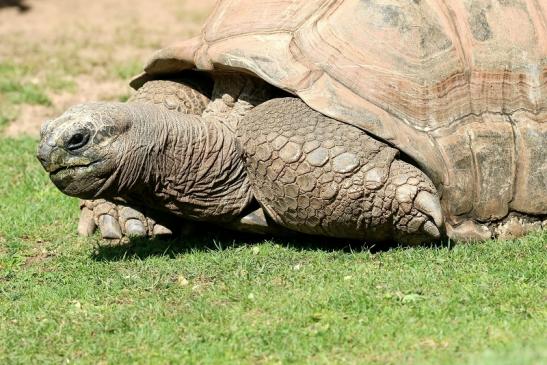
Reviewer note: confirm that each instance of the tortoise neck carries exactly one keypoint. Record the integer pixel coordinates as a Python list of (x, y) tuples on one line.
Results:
[(186, 166)]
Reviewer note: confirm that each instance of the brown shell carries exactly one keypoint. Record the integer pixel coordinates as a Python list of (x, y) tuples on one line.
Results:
[(460, 86)]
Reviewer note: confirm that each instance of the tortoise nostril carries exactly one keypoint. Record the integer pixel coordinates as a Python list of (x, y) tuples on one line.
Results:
[(77, 140)]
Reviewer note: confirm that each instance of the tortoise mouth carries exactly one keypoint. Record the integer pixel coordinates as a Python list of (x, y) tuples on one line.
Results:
[(72, 168), (81, 180)]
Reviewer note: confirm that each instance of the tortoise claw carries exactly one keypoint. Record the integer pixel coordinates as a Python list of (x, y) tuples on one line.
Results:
[(86, 225), (431, 230), (134, 227), (110, 229), (161, 231), (132, 221), (430, 205)]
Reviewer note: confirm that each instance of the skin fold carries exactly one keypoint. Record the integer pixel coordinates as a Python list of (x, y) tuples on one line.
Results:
[(261, 167)]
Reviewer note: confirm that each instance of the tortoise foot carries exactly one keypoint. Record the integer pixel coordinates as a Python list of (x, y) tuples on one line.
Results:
[(511, 227), (116, 221)]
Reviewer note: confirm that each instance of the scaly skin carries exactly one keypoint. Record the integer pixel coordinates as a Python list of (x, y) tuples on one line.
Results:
[(175, 95), (336, 180), (315, 175)]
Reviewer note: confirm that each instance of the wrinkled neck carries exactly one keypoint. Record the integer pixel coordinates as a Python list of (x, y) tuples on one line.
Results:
[(182, 164)]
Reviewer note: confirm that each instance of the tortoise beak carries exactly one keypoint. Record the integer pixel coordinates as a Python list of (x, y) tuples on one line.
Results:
[(48, 157)]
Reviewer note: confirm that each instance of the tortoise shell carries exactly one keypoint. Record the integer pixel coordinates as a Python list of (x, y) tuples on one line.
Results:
[(459, 86)]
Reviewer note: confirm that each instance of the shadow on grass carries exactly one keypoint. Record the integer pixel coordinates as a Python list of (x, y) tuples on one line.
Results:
[(19, 4), (219, 240), (141, 248)]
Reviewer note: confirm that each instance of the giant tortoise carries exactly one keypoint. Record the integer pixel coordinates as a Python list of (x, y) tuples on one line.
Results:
[(380, 120)]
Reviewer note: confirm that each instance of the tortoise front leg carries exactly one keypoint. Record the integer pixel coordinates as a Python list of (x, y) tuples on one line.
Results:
[(315, 175), (187, 95)]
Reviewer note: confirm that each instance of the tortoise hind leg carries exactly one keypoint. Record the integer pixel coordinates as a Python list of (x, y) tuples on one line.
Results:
[(517, 225), (316, 175), (513, 226)]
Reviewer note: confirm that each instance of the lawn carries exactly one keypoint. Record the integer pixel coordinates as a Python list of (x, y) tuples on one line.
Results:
[(217, 297), (223, 298)]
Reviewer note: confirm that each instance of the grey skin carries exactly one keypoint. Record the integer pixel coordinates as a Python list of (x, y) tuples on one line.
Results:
[(250, 162)]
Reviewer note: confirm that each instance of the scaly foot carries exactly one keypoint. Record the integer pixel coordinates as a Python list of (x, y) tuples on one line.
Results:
[(117, 220)]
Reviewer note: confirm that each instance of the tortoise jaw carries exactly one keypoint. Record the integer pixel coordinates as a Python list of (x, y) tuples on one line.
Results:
[(78, 180), (64, 175), (56, 170)]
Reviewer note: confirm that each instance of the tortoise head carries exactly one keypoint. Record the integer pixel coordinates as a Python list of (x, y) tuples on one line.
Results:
[(83, 148)]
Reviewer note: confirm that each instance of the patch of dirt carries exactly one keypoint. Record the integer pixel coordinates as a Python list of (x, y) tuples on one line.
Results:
[(85, 40), (37, 258), (88, 89)]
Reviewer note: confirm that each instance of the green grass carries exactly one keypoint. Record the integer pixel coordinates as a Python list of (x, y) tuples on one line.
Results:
[(222, 298), (14, 91), (20, 85)]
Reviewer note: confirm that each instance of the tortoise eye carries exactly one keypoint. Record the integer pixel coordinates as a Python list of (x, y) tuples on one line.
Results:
[(78, 140)]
